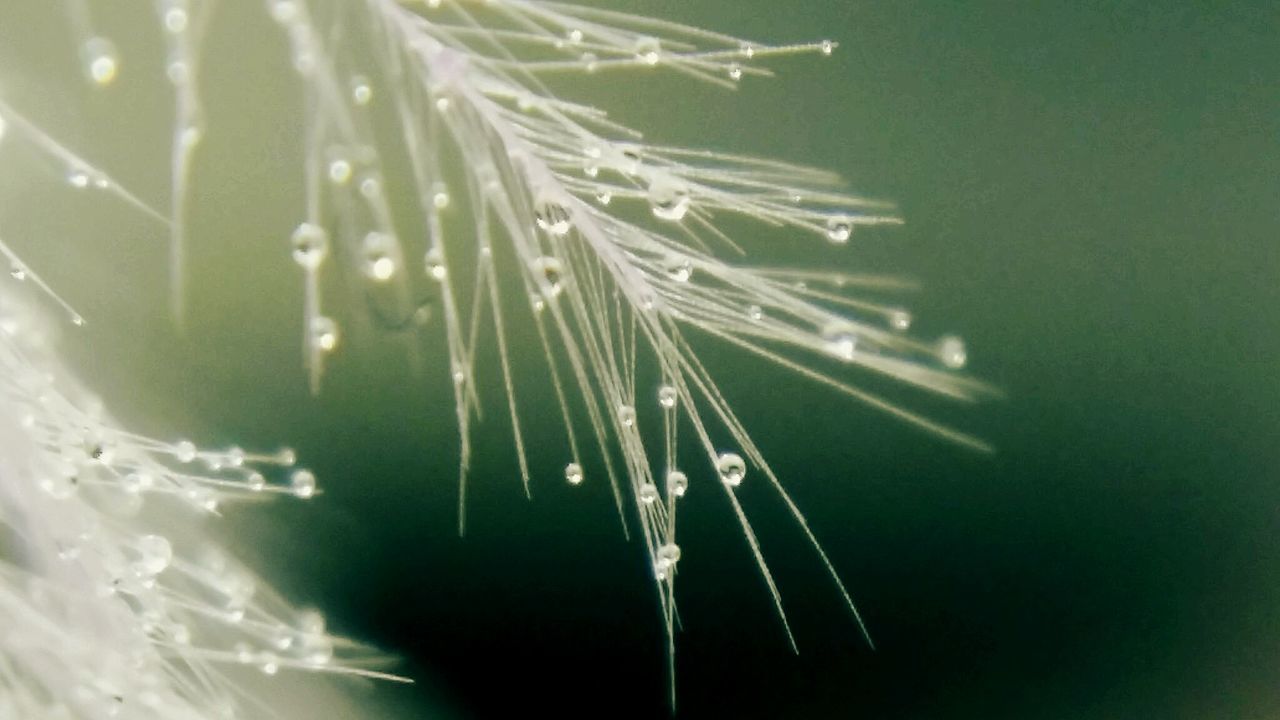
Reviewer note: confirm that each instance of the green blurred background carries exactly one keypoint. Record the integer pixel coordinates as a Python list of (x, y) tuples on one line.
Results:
[(1092, 196)]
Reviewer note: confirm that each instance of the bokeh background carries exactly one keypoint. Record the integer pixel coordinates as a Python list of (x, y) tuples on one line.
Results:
[(1092, 196)]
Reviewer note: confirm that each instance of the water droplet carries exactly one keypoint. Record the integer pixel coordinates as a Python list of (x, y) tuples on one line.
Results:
[(552, 216), (678, 268), (361, 90), (575, 36), (841, 339), (668, 197), (590, 61), (627, 415), (175, 20), (669, 554), (317, 650), (17, 271), (439, 195), (677, 483), (648, 50), (302, 483), (604, 197), (627, 158), (573, 473), (154, 554), (434, 261), (839, 228), (78, 179), (101, 62), (667, 396), (268, 663), (732, 469), (755, 312), (178, 72), (310, 245), (899, 320), (184, 451), (255, 481), (550, 272), (378, 250), (952, 352), (827, 47), (648, 493), (340, 171), (284, 11), (735, 71), (324, 333)]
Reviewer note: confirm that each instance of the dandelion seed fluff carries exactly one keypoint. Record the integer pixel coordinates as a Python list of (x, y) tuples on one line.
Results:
[(429, 131), (113, 601)]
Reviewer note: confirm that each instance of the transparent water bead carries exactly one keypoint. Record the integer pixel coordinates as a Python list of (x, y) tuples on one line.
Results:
[(101, 62), (175, 20), (648, 493), (284, 11), (841, 339), (900, 320), (678, 268), (648, 50), (952, 352), (302, 483), (378, 252), (551, 271), (439, 195), (669, 554), (184, 451), (573, 473), (371, 187), (732, 469), (665, 559), (324, 334), (677, 483), (839, 228), (627, 415), (667, 396), (340, 171), (361, 90), (310, 245), (178, 72), (668, 197), (735, 71), (552, 216), (434, 264), (154, 554)]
